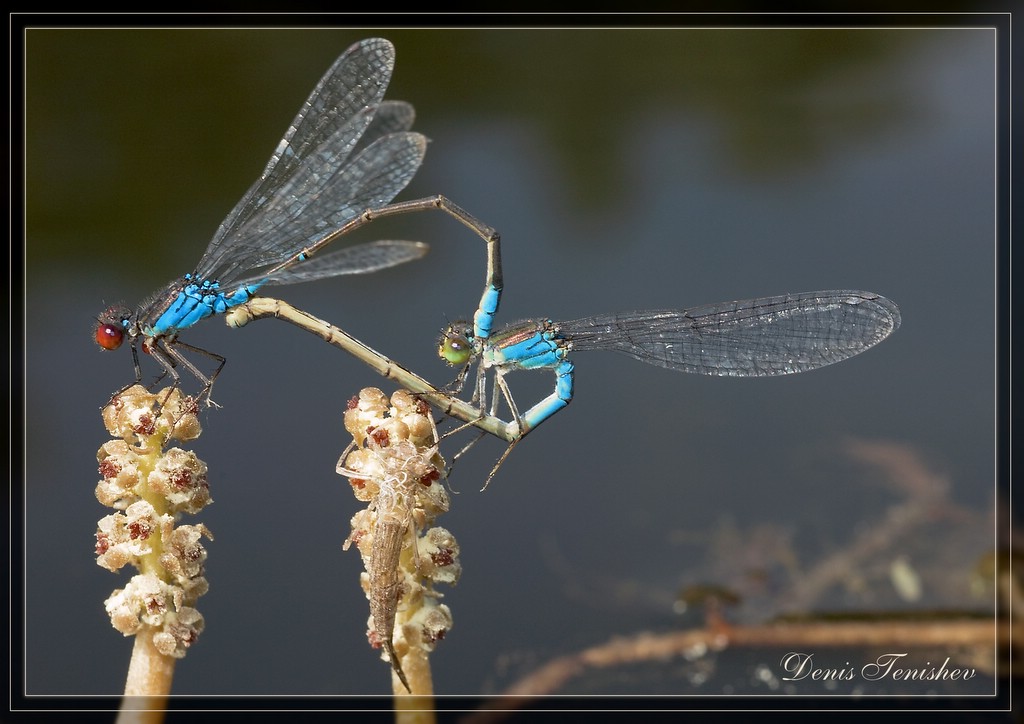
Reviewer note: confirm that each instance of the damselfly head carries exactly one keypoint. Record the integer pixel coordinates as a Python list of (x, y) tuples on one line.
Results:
[(111, 326), (455, 347)]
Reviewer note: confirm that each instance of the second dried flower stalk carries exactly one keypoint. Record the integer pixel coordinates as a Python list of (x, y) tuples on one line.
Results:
[(393, 465)]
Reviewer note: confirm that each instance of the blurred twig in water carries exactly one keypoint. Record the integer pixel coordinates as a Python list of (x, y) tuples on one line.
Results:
[(925, 502), (926, 496), (553, 676)]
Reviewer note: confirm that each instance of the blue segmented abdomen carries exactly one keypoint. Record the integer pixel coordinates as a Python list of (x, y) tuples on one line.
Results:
[(198, 301), (554, 402), (483, 320)]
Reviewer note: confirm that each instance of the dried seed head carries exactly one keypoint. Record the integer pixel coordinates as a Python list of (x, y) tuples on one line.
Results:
[(394, 465), (180, 478), (137, 413), (152, 487)]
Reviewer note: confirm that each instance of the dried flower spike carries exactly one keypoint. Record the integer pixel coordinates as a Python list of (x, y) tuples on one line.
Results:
[(150, 488), (394, 465)]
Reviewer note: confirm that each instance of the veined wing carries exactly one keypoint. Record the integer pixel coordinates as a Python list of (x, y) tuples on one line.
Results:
[(748, 338), (391, 117), (313, 208), (358, 259), (319, 141)]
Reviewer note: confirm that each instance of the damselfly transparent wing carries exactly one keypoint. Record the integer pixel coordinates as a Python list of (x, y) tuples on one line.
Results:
[(748, 338), (357, 259), (260, 230)]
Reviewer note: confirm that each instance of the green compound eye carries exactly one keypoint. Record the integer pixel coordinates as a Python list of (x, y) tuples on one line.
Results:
[(455, 347)]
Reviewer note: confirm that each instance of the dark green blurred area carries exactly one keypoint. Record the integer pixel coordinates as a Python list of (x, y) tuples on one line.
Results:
[(135, 135)]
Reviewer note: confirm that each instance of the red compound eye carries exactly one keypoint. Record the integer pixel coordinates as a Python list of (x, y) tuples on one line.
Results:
[(109, 336)]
